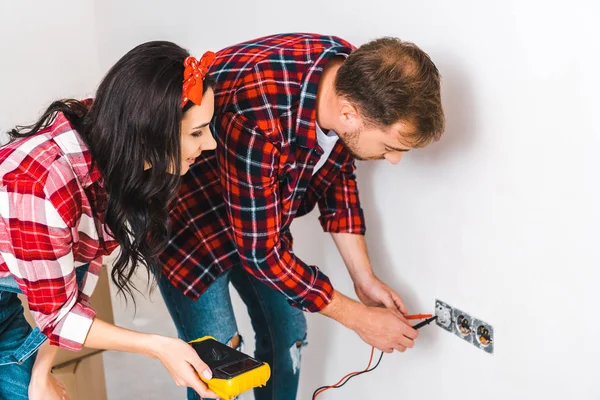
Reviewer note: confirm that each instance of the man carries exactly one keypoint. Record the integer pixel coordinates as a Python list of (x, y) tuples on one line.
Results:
[(292, 114)]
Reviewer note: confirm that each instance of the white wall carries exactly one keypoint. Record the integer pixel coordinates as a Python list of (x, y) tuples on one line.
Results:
[(500, 218), (48, 50)]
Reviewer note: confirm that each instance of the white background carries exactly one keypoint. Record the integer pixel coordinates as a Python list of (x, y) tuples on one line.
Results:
[(500, 218)]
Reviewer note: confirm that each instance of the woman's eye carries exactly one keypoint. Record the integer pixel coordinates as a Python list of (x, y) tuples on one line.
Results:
[(196, 134)]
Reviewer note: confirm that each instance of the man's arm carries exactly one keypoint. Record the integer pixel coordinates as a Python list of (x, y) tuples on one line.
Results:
[(342, 216), (369, 289), (249, 171)]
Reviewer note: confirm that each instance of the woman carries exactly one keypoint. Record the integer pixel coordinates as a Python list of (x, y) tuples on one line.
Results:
[(87, 177)]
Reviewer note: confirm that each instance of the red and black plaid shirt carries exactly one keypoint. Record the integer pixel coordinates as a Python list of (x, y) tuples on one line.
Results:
[(236, 204), (51, 222)]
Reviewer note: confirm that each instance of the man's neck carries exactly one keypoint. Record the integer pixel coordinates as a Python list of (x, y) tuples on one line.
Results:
[(326, 96)]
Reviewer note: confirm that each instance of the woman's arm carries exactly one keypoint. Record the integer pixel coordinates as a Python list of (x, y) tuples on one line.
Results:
[(178, 357)]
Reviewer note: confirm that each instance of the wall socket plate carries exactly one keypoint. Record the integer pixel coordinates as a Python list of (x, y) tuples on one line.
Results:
[(444, 315), (471, 329)]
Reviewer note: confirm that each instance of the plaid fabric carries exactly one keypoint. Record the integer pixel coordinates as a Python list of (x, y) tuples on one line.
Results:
[(236, 204), (48, 228)]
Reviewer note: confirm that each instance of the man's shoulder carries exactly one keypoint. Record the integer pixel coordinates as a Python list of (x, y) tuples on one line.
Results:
[(281, 47), (273, 80)]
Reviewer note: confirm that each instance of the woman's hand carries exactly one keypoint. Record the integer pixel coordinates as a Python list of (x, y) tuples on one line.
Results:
[(184, 365), (43, 385), (46, 387)]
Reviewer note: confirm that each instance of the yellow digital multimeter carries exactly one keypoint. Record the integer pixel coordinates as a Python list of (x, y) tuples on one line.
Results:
[(233, 371)]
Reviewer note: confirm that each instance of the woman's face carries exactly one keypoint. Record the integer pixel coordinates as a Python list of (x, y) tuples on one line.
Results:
[(195, 131)]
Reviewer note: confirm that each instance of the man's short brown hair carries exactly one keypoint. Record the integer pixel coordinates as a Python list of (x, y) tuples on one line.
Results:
[(390, 80)]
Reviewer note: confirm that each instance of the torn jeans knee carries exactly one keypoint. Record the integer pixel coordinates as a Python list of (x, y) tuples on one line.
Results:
[(295, 354), (236, 342)]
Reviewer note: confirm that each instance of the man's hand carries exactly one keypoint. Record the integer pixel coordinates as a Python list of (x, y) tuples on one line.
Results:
[(374, 293), (385, 330), (380, 327)]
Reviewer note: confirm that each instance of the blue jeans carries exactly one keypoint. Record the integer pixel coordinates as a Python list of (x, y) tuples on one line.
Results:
[(280, 328), (18, 341)]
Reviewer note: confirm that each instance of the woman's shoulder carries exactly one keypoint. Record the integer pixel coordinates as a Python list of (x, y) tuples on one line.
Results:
[(43, 164), (28, 160), (41, 183)]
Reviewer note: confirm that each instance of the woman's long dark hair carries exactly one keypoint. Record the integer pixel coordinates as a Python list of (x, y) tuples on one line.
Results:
[(135, 120)]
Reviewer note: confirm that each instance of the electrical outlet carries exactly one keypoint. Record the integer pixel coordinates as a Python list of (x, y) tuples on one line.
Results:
[(484, 336), (463, 325), (471, 329), (444, 315)]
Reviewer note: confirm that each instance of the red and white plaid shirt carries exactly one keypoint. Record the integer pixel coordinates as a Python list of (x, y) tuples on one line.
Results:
[(51, 203)]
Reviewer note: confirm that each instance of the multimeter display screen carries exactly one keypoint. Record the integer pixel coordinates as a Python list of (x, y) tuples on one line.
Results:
[(240, 367)]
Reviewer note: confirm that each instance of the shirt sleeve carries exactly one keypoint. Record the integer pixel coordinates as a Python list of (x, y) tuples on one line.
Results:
[(340, 205), (248, 166), (37, 247)]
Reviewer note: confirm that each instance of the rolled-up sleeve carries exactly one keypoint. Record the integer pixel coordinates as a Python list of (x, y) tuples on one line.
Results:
[(340, 205), (248, 167)]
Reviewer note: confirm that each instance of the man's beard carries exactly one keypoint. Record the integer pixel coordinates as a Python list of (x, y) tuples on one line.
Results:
[(350, 142)]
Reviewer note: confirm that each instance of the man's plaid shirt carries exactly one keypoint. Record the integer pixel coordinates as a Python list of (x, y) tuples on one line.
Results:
[(236, 204)]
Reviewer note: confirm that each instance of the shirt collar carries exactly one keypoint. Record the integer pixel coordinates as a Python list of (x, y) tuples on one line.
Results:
[(306, 133), (75, 149)]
